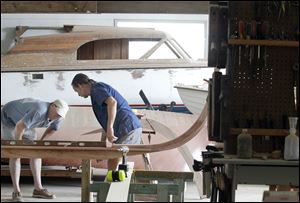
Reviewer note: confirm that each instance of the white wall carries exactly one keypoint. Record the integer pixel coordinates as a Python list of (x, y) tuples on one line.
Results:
[(158, 85)]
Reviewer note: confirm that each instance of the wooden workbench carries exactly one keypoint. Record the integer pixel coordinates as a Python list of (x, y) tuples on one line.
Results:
[(258, 171)]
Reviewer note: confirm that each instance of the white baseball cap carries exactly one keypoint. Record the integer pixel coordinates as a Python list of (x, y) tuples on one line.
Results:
[(61, 107)]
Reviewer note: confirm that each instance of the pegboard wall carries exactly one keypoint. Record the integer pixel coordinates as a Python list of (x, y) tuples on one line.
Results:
[(264, 80), (282, 17), (264, 88)]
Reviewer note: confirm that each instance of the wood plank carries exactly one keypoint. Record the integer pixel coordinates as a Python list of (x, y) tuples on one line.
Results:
[(162, 193), (141, 188), (53, 143), (282, 43), (48, 7), (262, 132), (46, 172), (146, 130), (171, 175), (182, 7), (118, 191), (234, 160), (66, 62)]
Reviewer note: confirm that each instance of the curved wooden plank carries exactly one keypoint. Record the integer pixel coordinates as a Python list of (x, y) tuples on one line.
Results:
[(102, 152), (177, 142)]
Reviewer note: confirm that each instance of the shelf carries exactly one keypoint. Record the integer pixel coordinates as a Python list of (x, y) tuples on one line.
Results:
[(261, 131), (281, 43)]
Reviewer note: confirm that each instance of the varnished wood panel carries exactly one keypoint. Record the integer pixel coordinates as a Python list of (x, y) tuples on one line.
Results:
[(86, 51), (104, 49)]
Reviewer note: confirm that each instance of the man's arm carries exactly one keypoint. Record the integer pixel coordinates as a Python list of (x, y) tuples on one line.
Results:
[(48, 132), (19, 130), (111, 110)]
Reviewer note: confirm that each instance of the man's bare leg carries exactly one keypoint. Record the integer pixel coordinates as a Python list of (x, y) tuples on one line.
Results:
[(15, 170), (36, 166)]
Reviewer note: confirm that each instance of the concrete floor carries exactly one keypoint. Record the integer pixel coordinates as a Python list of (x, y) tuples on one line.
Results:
[(69, 190)]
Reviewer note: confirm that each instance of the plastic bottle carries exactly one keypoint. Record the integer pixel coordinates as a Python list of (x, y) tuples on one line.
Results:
[(291, 142), (244, 145)]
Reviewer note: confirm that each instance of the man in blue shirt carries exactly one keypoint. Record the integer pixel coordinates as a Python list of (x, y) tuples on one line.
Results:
[(19, 118), (112, 111)]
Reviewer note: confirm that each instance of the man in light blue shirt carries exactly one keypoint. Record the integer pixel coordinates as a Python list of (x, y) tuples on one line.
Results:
[(19, 118)]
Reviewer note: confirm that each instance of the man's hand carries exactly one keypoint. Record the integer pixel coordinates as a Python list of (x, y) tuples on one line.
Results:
[(110, 135), (48, 132)]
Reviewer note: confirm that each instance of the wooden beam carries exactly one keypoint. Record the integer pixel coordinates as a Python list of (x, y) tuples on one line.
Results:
[(53, 143), (46, 172), (176, 7), (262, 131), (60, 152), (247, 42), (48, 7), (186, 176), (172, 7)]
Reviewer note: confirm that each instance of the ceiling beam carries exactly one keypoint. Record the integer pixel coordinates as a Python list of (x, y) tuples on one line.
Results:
[(166, 7), (48, 7), (170, 7)]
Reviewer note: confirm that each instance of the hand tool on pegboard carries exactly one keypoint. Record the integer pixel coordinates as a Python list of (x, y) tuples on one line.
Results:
[(296, 84), (241, 36), (253, 59)]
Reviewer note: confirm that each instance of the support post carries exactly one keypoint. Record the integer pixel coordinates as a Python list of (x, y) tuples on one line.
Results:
[(86, 196)]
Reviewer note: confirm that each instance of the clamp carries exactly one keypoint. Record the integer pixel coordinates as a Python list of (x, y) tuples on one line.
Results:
[(124, 166)]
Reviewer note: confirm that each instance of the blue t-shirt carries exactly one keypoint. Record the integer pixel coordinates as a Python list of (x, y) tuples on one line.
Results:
[(34, 114), (125, 121)]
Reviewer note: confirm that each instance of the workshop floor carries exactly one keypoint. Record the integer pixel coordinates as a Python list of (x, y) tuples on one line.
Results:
[(69, 190)]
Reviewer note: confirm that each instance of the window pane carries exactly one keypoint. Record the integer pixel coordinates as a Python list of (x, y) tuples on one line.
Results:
[(138, 49), (163, 52), (190, 35)]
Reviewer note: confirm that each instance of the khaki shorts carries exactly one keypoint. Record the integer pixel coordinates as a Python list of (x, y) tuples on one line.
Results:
[(134, 137), (8, 133)]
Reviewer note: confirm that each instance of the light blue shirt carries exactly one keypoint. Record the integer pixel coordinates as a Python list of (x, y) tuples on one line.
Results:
[(32, 112)]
